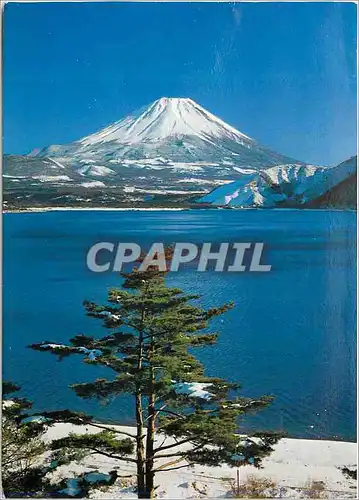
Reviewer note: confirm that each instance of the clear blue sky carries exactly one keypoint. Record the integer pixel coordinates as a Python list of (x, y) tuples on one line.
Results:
[(282, 73)]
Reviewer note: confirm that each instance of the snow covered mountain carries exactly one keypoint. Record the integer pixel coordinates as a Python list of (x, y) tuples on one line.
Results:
[(172, 151), (176, 135), (289, 185), (343, 195)]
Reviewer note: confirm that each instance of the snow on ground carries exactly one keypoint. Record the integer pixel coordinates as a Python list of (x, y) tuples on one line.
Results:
[(132, 189), (96, 170), (242, 170), (293, 465), (51, 178), (210, 182), (101, 208), (93, 184), (58, 164), (15, 176), (161, 163)]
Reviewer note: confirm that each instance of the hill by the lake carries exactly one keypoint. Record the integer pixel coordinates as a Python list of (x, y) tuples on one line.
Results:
[(290, 186)]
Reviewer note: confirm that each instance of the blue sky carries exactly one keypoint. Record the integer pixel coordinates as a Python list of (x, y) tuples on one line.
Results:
[(282, 73)]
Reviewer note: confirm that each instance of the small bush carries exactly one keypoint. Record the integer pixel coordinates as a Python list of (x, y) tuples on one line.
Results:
[(349, 473), (255, 487), (316, 489)]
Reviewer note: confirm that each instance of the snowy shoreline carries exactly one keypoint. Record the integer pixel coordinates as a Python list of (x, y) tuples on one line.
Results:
[(168, 209), (90, 209), (293, 466)]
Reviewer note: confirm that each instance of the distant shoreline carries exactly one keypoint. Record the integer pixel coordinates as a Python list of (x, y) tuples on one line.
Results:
[(165, 209), (92, 209)]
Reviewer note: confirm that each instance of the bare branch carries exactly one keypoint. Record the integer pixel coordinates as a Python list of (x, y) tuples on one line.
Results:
[(168, 464), (174, 468)]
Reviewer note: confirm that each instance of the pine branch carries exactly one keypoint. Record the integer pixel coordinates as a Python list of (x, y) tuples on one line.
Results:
[(169, 463), (110, 455), (170, 412), (184, 453), (163, 441), (161, 448), (174, 468), (159, 410), (170, 455), (112, 430)]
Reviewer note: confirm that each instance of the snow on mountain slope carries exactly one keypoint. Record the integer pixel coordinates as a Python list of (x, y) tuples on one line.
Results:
[(282, 185), (163, 118), (223, 195), (95, 170), (170, 130), (23, 166)]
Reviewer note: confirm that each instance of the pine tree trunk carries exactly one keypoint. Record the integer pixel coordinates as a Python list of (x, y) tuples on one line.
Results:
[(150, 476), (150, 483), (140, 448)]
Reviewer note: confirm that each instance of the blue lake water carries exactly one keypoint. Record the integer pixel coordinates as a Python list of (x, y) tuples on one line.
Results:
[(292, 333)]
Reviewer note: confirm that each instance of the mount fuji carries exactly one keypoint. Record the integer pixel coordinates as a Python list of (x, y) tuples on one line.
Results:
[(170, 133), (172, 151)]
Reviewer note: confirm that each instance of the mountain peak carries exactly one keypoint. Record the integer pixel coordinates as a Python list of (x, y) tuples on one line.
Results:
[(176, 129), (174, 99), (164, 118)]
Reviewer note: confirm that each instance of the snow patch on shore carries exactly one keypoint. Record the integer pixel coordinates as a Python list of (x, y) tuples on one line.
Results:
[(293, 464)]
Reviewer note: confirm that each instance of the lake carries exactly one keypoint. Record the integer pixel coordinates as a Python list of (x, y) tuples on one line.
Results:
[(292, 333)]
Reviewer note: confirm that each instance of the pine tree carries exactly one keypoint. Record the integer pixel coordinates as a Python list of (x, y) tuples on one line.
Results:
[(21, 446), (154, 332), (23, 473), (29, 461)]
